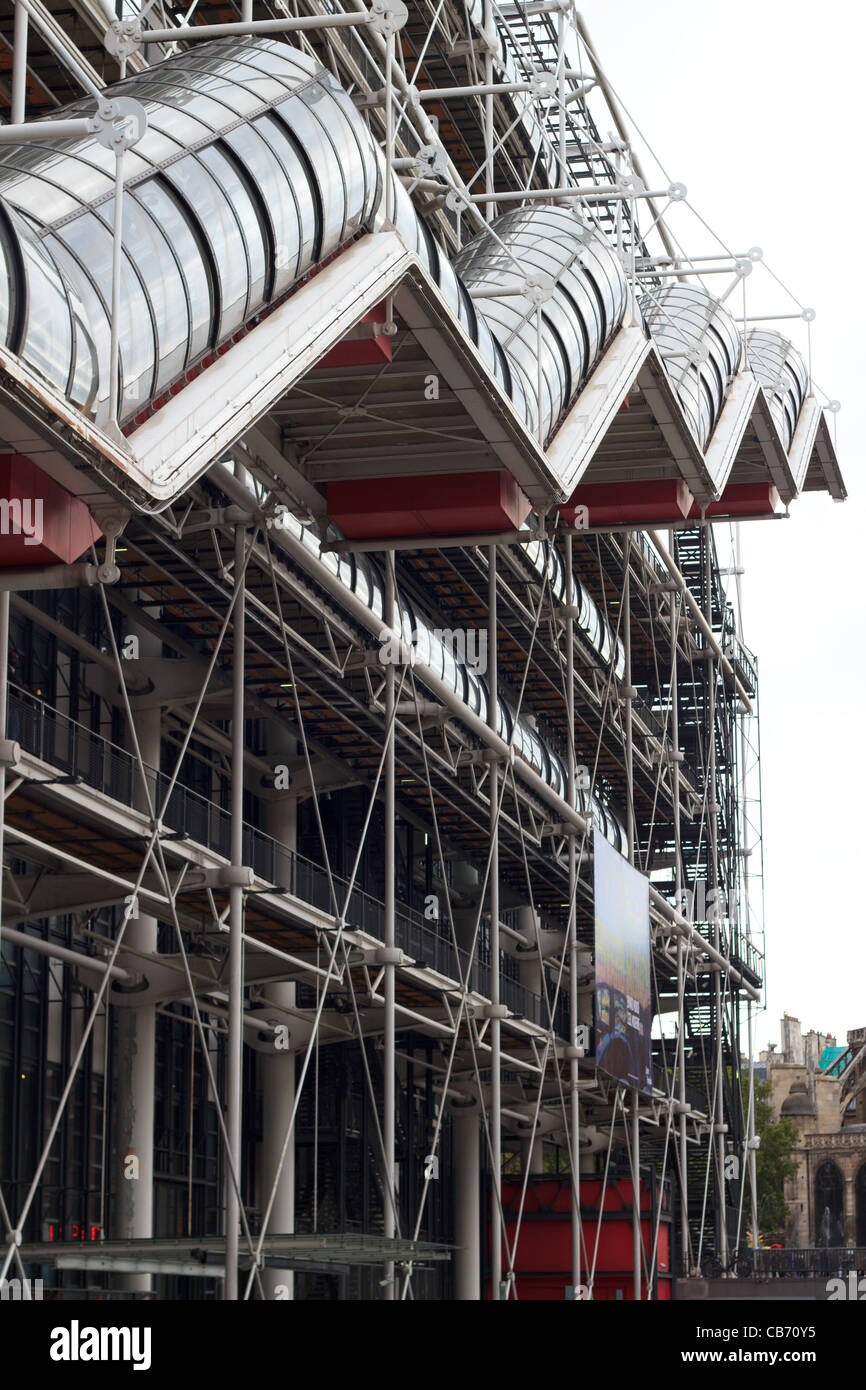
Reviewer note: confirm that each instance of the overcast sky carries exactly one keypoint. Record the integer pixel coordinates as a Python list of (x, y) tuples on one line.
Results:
[(758, 108)]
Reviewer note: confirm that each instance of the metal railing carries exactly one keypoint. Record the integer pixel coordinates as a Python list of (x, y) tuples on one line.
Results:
[(834, 1262), (80, 754)]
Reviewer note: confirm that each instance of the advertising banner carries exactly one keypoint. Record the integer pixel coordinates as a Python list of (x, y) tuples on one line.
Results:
[(623, 998)]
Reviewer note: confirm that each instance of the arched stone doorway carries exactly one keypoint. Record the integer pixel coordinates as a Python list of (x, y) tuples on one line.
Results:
[(829, 1207)]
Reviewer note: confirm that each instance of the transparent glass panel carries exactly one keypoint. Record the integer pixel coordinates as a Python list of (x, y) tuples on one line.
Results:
[(227, 83), (91, 241), (450, 668), (422, 644), (220, 224), (437, 656), (148, 246), (278, 140), (182, 102), (157, 147), (85, 381), (97, 321), (179, 125), (319, 149), (47, 341), (170, 215), (277, 193), (378, 601), (362, 585), (290, 65), (7, 285), (254, 236), (37, 196)]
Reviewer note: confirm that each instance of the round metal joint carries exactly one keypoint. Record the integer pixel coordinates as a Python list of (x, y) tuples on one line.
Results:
[(10, 752), (389, 955), (499, 1011), (388, 16), (236, 876)]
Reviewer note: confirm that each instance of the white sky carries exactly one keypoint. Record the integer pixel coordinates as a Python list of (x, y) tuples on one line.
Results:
[(758, 108)]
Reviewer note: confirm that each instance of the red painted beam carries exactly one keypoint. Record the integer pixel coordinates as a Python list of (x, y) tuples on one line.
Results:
[(40, 522), (361, 347), (438, 504), (628, 504), (742, 499)]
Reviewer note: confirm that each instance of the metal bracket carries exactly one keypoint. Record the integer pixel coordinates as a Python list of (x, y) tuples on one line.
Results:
[(123, 38), (388, 17), (120, 123), (388, 955), (538, 289), (499, 1011), (10, 753)]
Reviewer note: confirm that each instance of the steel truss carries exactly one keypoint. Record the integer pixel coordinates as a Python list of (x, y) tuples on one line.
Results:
[(309, 949)]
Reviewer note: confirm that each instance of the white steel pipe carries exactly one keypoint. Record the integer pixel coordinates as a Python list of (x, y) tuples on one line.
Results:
[(234, 1067), (256, 26), (57, 44), (45, 130), (57, 952), (368, 620), (573, 944), (493, 889), (19, 64), (389, 1059), (546, 195)]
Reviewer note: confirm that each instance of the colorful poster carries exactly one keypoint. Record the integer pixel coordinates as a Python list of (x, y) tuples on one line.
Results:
[(623, 997)]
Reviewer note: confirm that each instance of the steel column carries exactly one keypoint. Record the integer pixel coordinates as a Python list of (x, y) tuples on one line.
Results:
[(235, 1041), (467, 1203), (712, 822), (19, 65), (495, 1022), (681, 945), (134, 1051), (573, 953), (389, 984), (637, 1241), (278, 1069), (750, 1139)]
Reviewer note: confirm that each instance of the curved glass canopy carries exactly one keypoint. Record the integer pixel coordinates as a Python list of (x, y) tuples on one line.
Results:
[(701, 348), (782, 372), (255, 167)]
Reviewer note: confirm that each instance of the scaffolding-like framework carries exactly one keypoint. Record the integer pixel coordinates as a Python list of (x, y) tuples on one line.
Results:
[(297, 944)]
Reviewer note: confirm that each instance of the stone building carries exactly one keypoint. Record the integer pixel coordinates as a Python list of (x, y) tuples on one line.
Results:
[(822, 1088)]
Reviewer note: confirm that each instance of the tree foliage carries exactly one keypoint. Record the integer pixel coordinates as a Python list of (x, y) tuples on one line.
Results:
[(774, 1163)]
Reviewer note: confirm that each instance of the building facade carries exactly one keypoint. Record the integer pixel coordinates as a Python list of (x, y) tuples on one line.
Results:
[(822, 1089), (370, 455)]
